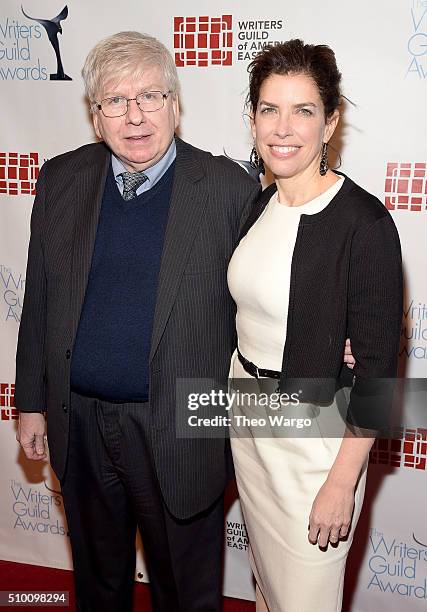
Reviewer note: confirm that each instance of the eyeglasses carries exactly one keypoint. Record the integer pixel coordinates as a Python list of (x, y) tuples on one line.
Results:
[(148, 101)]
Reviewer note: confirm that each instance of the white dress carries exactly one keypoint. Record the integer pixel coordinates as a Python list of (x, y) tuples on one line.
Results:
[(278, 477)]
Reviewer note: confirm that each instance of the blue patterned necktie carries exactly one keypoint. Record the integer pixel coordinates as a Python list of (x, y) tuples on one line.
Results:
[(131, 182)]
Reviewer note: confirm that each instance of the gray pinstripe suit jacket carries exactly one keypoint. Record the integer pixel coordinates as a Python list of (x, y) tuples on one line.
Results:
[(193, 333)]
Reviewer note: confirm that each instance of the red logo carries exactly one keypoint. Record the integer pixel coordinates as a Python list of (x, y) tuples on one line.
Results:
[(18, 173), (407, 449), (406, 186), (8, 412), (203, 41)]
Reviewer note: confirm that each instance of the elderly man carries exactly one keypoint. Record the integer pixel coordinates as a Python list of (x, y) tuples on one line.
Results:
[(126, 293)]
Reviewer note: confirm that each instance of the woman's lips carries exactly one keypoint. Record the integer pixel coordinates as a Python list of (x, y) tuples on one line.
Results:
[(284, 151)]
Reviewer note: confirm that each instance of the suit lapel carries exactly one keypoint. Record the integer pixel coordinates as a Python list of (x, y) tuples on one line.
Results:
[(87, 198), (188, 199)]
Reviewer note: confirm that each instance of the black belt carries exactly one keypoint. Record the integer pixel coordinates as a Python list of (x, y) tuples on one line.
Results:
[(253, 370)]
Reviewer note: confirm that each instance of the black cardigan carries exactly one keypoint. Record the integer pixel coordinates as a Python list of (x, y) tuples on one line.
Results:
[(346, 282)]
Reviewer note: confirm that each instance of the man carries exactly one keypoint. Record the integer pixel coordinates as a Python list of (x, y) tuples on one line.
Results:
[(126, 292)]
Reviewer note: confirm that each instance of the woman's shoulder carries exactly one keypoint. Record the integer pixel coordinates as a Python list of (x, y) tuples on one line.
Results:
[(370, 219), (360, 204)]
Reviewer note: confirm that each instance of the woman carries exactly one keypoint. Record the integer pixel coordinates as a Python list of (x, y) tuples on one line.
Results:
[(318, 261)]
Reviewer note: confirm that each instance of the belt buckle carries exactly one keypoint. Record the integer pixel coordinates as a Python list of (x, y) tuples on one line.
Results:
[(256, 371)]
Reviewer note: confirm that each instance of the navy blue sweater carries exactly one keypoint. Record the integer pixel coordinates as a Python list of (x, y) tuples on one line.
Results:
[(112, 347)]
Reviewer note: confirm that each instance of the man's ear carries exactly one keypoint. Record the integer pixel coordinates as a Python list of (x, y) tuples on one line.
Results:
[(95, 120), (176, 109)]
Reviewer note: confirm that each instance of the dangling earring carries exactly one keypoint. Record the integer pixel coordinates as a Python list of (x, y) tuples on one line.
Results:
[(323, 168), (256, 161)]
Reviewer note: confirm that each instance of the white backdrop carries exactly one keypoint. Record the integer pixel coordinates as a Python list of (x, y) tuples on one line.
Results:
[(381, 49)]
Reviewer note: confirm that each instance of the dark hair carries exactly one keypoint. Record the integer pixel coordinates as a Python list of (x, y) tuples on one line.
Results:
[(294, 57)]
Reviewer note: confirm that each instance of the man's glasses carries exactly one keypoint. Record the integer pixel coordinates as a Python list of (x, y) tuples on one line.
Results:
[(148, 101)]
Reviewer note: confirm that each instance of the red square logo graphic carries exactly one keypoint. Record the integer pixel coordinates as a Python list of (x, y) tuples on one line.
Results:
[(408, 448), (203, 41), (406, 186), (8, 411), (18, 173)]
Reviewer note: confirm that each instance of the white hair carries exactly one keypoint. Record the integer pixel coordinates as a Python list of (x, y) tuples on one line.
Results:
[(124, 55)]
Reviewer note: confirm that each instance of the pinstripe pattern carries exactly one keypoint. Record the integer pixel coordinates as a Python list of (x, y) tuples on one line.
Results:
[(193, 332), (89, 192)]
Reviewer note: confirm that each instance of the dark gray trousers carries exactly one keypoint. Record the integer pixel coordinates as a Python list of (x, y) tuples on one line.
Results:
[(110, 488)]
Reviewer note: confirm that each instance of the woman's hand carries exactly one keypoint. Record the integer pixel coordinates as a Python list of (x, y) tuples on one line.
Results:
[(348, 356), (331, 513)]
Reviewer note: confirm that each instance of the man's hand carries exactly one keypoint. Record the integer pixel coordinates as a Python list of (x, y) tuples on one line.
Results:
[(348, 357), (31, 435)]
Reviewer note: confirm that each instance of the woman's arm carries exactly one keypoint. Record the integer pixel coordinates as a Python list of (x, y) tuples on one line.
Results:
[(374, 321), (332, 509)]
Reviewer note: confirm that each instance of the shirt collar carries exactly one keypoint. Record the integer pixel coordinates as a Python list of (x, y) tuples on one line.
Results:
[(154, 173)]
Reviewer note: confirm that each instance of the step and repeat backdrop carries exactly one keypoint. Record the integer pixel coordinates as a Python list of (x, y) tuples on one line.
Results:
[(381, 48)]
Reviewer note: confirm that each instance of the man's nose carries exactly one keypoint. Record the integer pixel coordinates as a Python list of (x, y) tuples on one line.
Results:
[(134, 114)]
